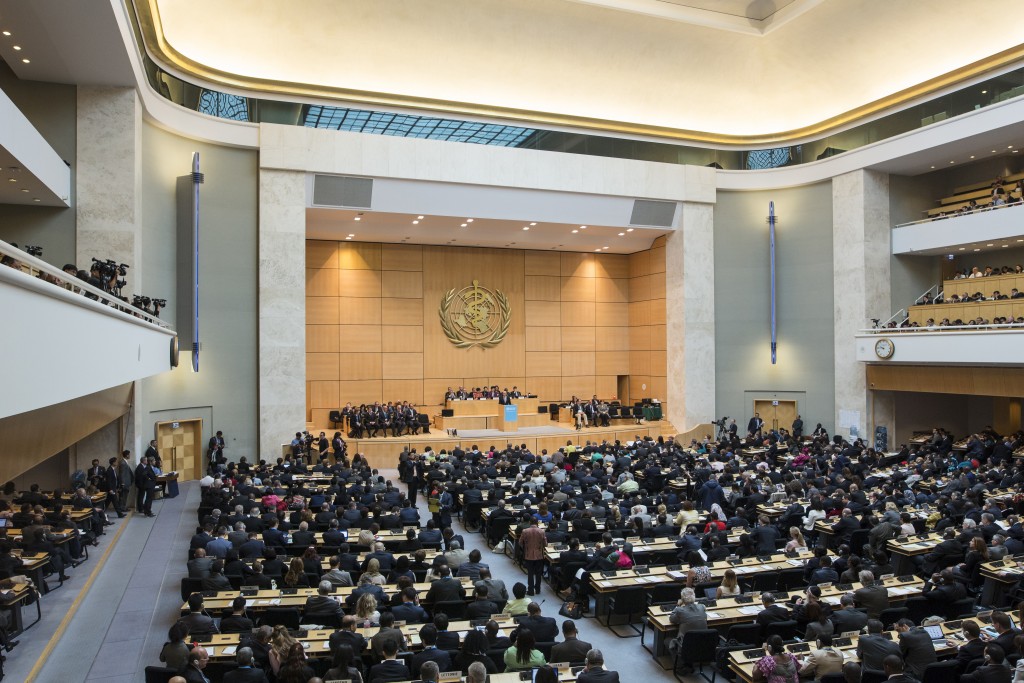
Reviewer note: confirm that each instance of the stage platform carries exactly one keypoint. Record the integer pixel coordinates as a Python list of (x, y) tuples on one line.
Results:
[(382, 453)]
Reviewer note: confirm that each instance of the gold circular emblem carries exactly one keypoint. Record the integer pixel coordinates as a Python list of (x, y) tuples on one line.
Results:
[(474, 316)]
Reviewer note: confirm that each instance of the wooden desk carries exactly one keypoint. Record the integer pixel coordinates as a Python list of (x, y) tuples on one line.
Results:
[(265, 599), (903, 551), (1001, 576), (489, 406), (14, 599), (728, 611)]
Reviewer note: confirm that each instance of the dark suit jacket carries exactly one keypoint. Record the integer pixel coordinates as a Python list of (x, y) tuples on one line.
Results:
[(969, 651), (303, 538), (571, 650), (410, 613), (874, 598), (544, 629), (598, 676), (355, 640), (387, 671), (443, 659), (918, 651), (1005, 640), (773, 614), (448, 640), (481, 608), (989, 673), (848, 620), (873, 649), (248, 675), (444, 590), (194, 675)]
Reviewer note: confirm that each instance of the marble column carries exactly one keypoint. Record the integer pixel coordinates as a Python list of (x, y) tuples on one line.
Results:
[(690, 317), (282, 309), (108, 212), (861, 279), (109, 178)]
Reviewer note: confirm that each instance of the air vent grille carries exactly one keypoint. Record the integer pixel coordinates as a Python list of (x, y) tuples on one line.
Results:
[(347, 191), (653, 213)]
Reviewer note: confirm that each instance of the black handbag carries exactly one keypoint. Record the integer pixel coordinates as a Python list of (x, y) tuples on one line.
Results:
[(571, 609)]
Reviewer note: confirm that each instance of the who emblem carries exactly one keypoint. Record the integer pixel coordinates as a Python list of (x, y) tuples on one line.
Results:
[(474, 316)]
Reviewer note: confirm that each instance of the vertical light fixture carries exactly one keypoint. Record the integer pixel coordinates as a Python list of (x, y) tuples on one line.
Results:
[(197, 180), (187, 305), (771, 249)]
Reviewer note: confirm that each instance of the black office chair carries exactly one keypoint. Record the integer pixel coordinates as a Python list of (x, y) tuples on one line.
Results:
[(190, 586), (918, 608), (942, 672), (832, 678), (455, 609), (892, 615), (748, 634), (791, 579), (766, 582), (630, 603), (784, 629), (698, 648), (873, 676), (958, 607), (285, 616), (159, 674), (335, 418), (424, 422)]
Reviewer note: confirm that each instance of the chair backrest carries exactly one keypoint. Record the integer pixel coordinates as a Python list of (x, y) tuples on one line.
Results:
[(785, 629), (334, 416), (630, 600), (699, 645), (748, 634), (190, 586), (455, 609), (766, 581), (942, 672), (872, 676), (958, 607), (284, 616), (918, 608), (833, 678), (159, 674), (891, 615)]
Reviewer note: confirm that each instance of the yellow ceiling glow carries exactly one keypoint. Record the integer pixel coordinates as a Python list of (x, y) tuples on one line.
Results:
[(558, 62)]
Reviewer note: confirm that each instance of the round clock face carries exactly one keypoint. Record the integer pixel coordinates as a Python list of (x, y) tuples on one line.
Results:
[(884, 348)]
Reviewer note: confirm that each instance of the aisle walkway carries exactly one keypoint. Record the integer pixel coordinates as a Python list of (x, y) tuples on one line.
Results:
[(122, 620)]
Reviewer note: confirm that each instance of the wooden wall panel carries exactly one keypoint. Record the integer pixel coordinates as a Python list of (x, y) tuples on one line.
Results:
[(544, 339), (359, 283), (578, 322), (974, 381), (321, 310), (402, 338), (401, 257), (355, 366), (322, 339), (402, 312), (359, 311)]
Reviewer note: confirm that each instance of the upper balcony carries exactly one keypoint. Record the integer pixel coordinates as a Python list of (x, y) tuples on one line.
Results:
[(63, 339), (954, 345)]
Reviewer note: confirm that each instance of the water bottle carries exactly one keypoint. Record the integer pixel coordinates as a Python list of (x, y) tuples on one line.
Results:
[(273, 584)]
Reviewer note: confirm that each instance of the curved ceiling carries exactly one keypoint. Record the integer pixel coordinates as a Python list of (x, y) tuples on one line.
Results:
[(581, 64)]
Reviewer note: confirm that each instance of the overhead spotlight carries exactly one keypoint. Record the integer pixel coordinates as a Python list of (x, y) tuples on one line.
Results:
[(977, 250), (575, 231), (622, 234), (17, 48), (415, 222), (984, 92), (961, 248), (7, 33), (533, 224), (463, 225), (469, 220), (597, 250), (583, 227), (1005, 246), (972, 156), (348, 238), (1015, 151), (1009, 147), (419, 218), (12, 180), (351, 234), (629, 229), (993, 151), (933, 167), (526, 227), (36, 199), (952, 162), (358, 218), (989, 244), (26, 61)]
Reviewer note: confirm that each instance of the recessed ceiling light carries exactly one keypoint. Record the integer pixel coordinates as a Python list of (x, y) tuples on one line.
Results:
[(575, 231), (351, 234), (1009, 147), (469, 220), (419, 218), (583, 227), (993, 151), (962, 248), (533, 224), (933, 167), (26, 61), (972, 156), (359, 218), (12, 180), (1020, 240), (622, 234), (1005, 246), (17, 47), (604, 247), (348, 238), (989, 244), (952, 162), (526, 227), (415, 222), (977, 250), (629, 229), (597, 250), (7, 33), (24, 189), (1014, 151), (984, 92)]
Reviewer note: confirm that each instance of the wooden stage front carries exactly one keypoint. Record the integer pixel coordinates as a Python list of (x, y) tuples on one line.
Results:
[(382, 453)]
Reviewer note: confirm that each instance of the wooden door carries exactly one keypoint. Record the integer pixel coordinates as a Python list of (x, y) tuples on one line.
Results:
[(776, 413), (180, 443)]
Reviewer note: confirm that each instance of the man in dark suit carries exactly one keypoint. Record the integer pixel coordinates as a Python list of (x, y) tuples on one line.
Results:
[(595, 671), (198, 658), (321, 605), (409, 611), (571, 649), (847, 618), (430, 652), (390, 669), (272, 536), (348, 635), (246, 672), (942, 589), (871, 597), (873, 648), (113, 487), (199, 566), (544, 629), (334, 536), (994, 670), (481, 606), (893, 667), (495, 641), (772, 612), (973, 649), (237, 622), (303, 536), (445, 589), (145, 483), (446, 640), (1004, 627), (755, 424), (197, 620), (945, 554), (916, 646), (844, 528)]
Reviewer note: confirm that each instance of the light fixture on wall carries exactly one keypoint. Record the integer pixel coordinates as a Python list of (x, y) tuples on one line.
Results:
[(772, 219)]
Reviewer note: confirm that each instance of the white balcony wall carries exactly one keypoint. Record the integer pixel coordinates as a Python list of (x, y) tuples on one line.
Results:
[(947, 235), (58, 345), (992, 347)]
